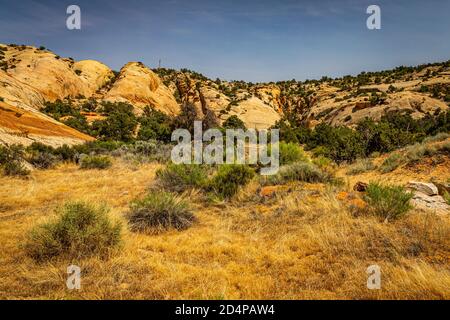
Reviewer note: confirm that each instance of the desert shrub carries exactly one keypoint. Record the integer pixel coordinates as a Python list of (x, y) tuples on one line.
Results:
[(418, 151), (361, 166), (78, 122), (43, 160), (65, 153), (299, 171), (388, 202), (160, 210), (11, 161), (98, 147), (79, 230), (180, 177), (11, 153), (229, 178), (95, 162), (322, 162), (437, 138), (15, 168), (59, 109), (391, 163), (291, 152), (154, 150)]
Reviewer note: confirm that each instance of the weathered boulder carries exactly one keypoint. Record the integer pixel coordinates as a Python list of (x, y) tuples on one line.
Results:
[(428, 189), (437, 203)]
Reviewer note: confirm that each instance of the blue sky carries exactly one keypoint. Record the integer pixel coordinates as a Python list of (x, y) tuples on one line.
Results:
[(237, 39)]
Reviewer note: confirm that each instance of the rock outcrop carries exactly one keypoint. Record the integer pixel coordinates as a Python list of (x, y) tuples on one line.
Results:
[(426, 197), (255, 113), (52, 76), (426, 188), (19, 126), (94, 74), (139, 86)]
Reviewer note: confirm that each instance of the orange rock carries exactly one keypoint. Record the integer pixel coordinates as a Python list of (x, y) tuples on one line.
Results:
[(342, 196), (357, 204), (268, 191)]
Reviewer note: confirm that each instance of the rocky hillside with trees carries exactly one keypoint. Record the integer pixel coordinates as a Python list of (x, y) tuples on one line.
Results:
[(77, 93)]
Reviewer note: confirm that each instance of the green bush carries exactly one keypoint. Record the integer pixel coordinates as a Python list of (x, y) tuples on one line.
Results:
[(291, 152), (388, 202), (229, 178), (299, 171), (160, 211), (80, 230), (181, 177), (361, 166), (95, 162)]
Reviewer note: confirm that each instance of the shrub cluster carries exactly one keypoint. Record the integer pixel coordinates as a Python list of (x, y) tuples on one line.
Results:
[(224, 181), (345, 144)]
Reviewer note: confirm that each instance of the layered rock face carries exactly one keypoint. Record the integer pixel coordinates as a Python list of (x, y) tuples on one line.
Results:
[(19, 126), (18, 93), (139, 86)]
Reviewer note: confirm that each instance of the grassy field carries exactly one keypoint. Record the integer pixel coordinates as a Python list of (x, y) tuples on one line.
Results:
[(303, 243)]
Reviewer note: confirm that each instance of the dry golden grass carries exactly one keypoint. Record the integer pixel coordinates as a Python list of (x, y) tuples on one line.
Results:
[(301, 244)]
